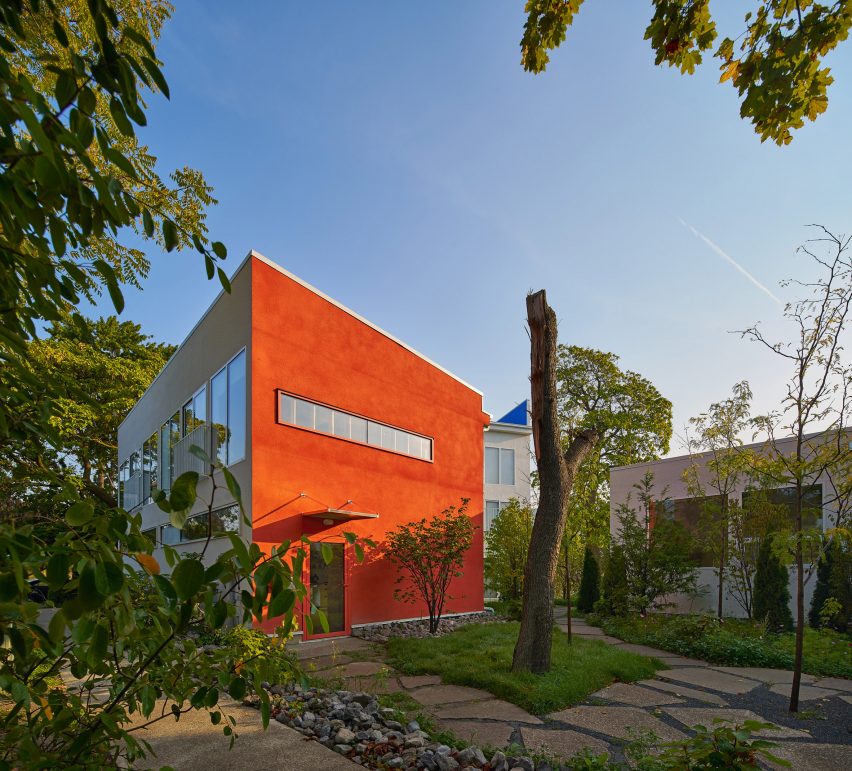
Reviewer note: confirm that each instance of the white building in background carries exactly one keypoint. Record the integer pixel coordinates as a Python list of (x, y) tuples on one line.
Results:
[(507, 461)]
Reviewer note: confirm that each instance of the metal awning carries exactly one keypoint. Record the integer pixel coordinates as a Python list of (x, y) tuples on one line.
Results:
[(339, 515)]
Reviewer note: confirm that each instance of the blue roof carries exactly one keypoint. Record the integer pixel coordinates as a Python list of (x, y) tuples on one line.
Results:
[(518, 416)]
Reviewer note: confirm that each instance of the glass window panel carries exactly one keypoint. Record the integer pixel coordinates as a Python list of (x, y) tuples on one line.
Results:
[(169, 535), (304, 414), (186, 415), (151, 535), (323, 419), (427, 449), (402, 441), (358, 427), (388, 438), (165, 458), (507, 467), (374, 433), (199, 407), (341, 424), (237, 408), (492, 509), (415, 446), (219, 414), (328, 585), (286, 409), (492, 465)]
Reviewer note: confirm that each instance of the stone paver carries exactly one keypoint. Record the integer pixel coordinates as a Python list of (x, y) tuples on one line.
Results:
[(644, 650), (447, 694), (315, 648), (494, 735), (806, 692), (847, 697), (764, 674), (376, 685), (814, 757), (672, 660), (710, 678), (418, 681), (705, 716), (615, 721), (490, 709), (562, 743), (325, 662), (635, 695), (362, 668), (682, 690)]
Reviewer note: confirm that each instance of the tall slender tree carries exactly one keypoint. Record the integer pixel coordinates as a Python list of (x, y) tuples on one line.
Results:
[(807, 439)]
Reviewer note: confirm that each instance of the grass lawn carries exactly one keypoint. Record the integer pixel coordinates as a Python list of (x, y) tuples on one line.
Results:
[(736, 642), (480, 655)]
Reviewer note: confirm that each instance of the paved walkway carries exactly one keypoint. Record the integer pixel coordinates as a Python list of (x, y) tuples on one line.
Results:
[(689, 692)]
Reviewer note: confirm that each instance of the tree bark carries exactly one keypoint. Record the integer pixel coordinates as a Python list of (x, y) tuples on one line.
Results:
[(556, 474), (800, 603)]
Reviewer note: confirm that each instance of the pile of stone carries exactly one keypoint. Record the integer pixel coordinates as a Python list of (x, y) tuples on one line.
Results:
[(420, 628), (354, 725)]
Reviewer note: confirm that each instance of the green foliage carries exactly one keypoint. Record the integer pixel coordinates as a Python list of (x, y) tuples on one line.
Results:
[(74, 78), (480, 655), (589, 592), (832, 600), (632, 419), (734, 642), (657, 551), (771, 590), (615, 592), (507, 542), (778, 69), (429, 555)]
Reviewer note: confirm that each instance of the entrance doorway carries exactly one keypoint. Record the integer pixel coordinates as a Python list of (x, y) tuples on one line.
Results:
[(328, 588)]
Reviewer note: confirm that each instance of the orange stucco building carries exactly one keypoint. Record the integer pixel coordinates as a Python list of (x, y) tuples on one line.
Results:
[(330, 425)]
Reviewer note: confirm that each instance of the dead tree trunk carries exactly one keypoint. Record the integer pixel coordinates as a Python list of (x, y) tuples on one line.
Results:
[(557, 471)]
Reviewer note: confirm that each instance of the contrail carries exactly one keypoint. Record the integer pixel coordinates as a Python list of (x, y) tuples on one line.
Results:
[(732, 261)]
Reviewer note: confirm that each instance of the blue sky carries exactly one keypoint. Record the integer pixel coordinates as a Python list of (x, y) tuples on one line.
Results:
[(396, 156)]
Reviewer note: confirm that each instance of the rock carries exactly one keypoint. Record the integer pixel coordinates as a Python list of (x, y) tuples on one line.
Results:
[(523, 764), (442, 749), (498, 762), (414, 741), (412, 727), (281, 717), (543, 765), (395, 763), (342, 748), (444, 762), (345, 736), (362, 698), (471, 756)]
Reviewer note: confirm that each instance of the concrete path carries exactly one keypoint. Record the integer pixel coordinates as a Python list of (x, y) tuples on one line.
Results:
[(687, 693), (194, 744)]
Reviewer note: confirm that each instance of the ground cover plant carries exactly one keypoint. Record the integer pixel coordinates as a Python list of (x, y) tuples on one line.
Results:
[(735, 642), (480, 656)]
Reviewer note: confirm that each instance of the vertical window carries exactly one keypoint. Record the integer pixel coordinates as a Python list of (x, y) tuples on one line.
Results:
[(492, 465), (499, 466), (323, 419), (286, 409), (123, 476), (304, 414), (194, 412), (228, 410), (359, 429), (341, 424), (186, 418), (374, 433), (150, 467), (219, 413), (237, 407), (492, 509)]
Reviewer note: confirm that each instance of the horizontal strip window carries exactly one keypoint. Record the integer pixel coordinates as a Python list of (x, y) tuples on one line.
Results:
[(294, 411), (222, 521)]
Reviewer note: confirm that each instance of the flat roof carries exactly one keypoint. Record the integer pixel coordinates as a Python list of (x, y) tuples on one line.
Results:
[(275, 266)]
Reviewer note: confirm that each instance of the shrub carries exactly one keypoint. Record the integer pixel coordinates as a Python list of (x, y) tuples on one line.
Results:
[(507, 542), (615, 595), (771, 590), (430, 553), (832, 601), (589, 592)]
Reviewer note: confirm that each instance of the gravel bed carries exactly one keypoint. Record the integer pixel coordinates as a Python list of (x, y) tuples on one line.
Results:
[(420, 628), (354, 725)]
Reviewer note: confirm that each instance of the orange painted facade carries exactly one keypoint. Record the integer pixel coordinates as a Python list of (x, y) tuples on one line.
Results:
[(304, 344)]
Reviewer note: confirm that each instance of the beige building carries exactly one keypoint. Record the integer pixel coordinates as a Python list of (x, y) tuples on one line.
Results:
[(507, 461), (670, 488)]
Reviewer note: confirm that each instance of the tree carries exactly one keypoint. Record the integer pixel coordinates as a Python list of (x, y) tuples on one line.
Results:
[(615, 593), (429, 555), (717, 465), (657, 550), (834, 587), (633, 422), (779, 69), (589, 592), (73, 82), (506, 545), (112, 363), (557, 469), (771, 590), (807, 442)]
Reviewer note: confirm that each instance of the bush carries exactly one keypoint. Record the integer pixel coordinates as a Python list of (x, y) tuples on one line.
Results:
[(507, 542), (589, 592), (615, 594), (832, 601), (771, 590)]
